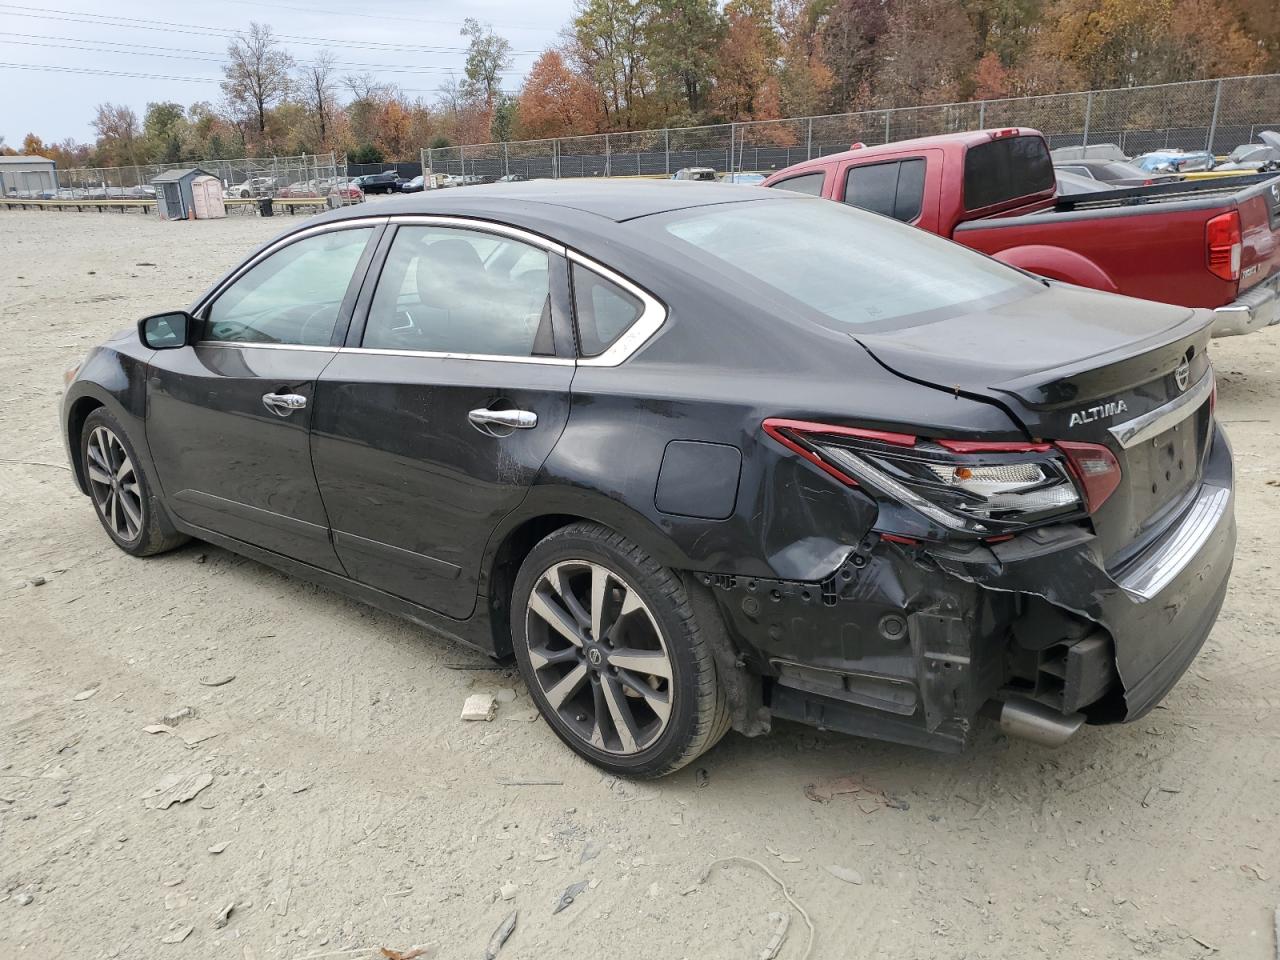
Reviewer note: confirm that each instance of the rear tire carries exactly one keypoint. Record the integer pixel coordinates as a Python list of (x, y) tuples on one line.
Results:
[(608, 645), (120, 490)]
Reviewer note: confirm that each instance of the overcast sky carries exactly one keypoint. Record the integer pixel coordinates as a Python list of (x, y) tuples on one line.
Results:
[(179, 47)]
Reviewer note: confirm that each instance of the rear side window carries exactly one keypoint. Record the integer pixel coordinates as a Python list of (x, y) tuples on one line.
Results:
[(808, 183), (603, 309), (1005, 170), (894, 189), (449, 290)]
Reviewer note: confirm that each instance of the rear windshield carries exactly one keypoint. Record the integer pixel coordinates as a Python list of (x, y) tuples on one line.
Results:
[(1006, 169), (842, 266)]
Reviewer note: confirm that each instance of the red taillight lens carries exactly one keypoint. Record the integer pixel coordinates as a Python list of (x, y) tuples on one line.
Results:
[(1223, 245), (979, 488), (1096, 470)]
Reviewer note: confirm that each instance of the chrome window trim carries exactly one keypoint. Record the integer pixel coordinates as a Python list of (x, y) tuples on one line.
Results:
[(1157, 421), (480, 226), (436, 355), (650, 321), (237, 344)]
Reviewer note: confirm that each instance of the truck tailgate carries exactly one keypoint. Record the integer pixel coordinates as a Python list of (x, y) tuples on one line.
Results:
[(1259, 232)]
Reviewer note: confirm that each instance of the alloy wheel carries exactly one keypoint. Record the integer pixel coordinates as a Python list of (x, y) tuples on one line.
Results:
[(113, 481), (599, 656)]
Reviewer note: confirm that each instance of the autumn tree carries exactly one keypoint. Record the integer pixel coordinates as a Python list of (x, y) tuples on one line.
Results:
[(163, 126), (257, 73), (927, 51), (852, 32), (682, 38), (557, 101), (804, 79), (606, 42), (488, 56), (117, 129)]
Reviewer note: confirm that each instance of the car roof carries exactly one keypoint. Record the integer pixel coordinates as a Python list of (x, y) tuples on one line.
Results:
[(615, 200)]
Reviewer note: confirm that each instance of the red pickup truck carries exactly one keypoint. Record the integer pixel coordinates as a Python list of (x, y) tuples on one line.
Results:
[(1207, 243)]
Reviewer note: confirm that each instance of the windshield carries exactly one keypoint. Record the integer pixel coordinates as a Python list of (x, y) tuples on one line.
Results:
[(848, 267)]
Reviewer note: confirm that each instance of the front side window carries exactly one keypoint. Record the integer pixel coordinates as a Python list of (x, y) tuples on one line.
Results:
[(444, 290), (293, 296), (895, 189), (807, 183), (839, 266), (603, 310)]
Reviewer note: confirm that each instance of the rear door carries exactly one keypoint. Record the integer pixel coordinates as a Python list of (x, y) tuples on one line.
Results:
[(228, 418), (431, 425)]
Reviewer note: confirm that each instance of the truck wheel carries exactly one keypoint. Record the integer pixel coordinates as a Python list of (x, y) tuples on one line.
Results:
[(607, 643)]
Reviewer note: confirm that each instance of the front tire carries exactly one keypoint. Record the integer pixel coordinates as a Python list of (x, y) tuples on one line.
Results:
[(608, 645), (120, 490)]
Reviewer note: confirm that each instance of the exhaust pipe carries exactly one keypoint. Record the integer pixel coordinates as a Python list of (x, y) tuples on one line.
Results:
[(1029, 720)]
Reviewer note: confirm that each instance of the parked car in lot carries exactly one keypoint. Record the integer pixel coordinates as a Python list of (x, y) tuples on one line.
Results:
[(698, 457), (252, 187), (415, 185), (1175, 161), (1070, 184), (388, 181), (299, 189), (1213, 244), (344, 188), (746, 179), (694, 173), (1254, 157), (512, 178), (1116, 173)]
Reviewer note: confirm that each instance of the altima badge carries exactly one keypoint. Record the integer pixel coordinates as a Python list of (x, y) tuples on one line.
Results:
[(1182, 374), (1102, 410)]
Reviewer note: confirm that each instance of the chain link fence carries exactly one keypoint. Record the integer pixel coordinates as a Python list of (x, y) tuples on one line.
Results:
[(307, 175), (1214, 115)]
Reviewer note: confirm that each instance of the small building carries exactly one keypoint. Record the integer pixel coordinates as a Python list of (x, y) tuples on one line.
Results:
[(192, 194), (30, 178)]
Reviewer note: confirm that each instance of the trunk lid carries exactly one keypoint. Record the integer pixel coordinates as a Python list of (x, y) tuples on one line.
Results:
[(1079, 365)]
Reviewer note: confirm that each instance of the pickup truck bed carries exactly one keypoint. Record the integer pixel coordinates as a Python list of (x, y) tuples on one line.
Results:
[(1210, 243)]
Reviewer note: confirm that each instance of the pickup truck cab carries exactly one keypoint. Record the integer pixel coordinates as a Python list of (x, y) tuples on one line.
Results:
[(1213, 244)]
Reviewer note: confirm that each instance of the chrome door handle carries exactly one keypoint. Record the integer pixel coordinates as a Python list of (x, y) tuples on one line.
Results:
[(518, 419), (283, 404)]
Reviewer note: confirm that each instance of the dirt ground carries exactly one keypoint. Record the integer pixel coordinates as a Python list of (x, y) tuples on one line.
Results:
[(350, 809)]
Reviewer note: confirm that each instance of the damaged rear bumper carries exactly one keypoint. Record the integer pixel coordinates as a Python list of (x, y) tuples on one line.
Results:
[(909, 642)]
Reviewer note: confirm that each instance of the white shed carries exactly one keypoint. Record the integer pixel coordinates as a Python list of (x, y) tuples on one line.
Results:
[(192, 194), (29, 178)]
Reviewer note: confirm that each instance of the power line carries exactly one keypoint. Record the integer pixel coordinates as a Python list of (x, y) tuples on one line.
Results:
[(104, 73), (381, 16), (185, 53), (169, 26)]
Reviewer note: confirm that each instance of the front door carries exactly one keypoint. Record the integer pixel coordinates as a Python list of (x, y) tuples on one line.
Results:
[(228, 419), (430, 427)]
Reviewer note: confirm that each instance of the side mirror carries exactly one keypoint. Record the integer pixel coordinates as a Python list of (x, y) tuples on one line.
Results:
[(166, 331)]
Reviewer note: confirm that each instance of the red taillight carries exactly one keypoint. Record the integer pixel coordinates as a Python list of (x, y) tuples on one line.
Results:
[(1096, 470), (1222, 245)]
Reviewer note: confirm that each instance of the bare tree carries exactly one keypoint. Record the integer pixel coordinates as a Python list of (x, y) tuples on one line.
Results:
[(257, 73), (367, 87), (118, 131), (319, 84)]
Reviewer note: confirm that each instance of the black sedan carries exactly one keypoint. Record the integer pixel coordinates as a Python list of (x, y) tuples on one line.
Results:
[(386, 182), (697, 457)]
